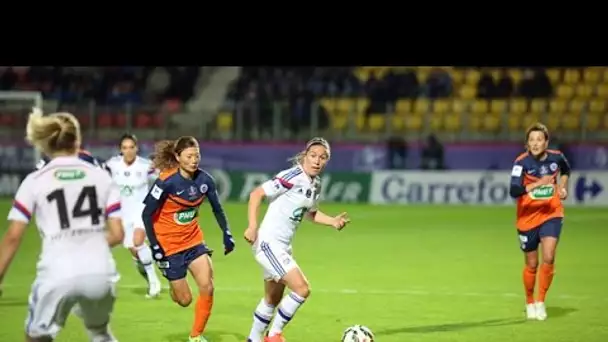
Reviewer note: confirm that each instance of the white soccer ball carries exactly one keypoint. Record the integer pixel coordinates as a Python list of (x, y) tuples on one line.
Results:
[(358, 333)]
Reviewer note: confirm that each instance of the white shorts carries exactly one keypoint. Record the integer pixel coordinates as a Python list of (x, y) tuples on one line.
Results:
[(275, 258), (50, 303), (130, 224)]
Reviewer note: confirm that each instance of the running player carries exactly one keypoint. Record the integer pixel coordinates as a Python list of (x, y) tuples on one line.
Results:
[(539, 194), (72, 201), (293, 195), (133, 174), (170, 218)]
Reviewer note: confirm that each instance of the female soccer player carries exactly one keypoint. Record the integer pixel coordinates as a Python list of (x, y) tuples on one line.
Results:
[(170, 218), (133, 174), (72, 200), (539, 194), (293, 195)]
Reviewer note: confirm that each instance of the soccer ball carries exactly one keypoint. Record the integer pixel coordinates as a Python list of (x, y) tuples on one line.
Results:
[(358, 333)]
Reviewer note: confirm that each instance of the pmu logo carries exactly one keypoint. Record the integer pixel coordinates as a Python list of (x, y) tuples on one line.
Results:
[(586, 189)]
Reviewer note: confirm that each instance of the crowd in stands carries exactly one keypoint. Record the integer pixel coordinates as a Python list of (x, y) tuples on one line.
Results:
[(105, 85)]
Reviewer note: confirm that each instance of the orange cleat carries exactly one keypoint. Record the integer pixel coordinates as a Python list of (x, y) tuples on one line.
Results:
[(275, 338)]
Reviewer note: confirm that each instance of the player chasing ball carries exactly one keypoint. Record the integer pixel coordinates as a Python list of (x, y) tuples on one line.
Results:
[(293, 194), (540, 212), (133, 174), (75, 266), (170, 217)]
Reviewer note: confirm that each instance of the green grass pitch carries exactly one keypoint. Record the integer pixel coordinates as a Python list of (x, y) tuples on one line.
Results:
[(417, 273)]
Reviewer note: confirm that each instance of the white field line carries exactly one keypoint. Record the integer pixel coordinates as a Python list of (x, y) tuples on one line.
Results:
[(379, 292)]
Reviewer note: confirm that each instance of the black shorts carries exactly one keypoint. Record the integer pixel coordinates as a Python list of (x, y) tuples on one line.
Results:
[(529, 240), (175, 267)]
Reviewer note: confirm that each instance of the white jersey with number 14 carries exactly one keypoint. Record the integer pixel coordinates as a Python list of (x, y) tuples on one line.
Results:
[(70, 199)]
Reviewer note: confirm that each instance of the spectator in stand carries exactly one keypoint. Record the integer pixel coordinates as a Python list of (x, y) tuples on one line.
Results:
[(439, 84), (486, 89), (407, 85), (432, 154), (535, 84), (504, 87), (157, 83)]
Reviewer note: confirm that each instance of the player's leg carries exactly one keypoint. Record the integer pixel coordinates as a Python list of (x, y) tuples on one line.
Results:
[(96, 303), (175, 269), (49, 306), (201, 268), (549, 233), (529, 241), (144, 255), (273, 293)]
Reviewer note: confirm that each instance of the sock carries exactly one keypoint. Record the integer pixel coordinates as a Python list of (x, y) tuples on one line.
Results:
[(140, 268), (261, 319), (202, 311), (287, 309), (529, 281), (544, 281), (145, 257)]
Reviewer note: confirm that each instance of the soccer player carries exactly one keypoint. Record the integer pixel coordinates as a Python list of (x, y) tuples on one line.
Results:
[(73, 201), (539, 195), (170, 218), (293, 194), (134, 174), (83, 155)]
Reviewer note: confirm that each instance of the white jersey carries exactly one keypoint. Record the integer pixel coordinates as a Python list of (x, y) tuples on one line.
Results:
[(133, 181), (71, 199), (292, 194)]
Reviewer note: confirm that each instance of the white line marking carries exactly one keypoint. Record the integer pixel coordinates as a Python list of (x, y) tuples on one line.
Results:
[(378, 292)]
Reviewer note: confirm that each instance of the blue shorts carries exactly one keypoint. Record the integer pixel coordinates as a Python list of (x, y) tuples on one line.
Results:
[(175, 267), (529, 240)]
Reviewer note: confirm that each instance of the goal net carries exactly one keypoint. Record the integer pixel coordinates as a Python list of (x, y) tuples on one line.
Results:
[(15, 107)]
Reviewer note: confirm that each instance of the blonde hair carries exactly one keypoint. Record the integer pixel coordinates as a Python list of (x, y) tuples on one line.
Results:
[(57, 132), (299, 157), (165, 151)]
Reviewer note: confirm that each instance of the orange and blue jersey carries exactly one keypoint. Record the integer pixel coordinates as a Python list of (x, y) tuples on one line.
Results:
[(171, 209), (543, 203)]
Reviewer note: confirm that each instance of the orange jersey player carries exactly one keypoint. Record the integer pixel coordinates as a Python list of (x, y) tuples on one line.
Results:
[(539, 194), (170, 218)]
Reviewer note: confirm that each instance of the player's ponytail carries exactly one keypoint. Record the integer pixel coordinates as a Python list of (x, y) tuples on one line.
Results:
[(57, 132), (164, 155)]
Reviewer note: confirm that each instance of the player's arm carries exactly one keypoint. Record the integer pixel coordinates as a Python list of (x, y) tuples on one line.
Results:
[(517, 188), (153, 202), (564, 172), (319, 217), (271, 188), (115, 233), (216, 205), (18, 217)]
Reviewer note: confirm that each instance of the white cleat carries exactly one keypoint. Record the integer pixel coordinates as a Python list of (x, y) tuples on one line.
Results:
[(541, 311), (531, 311), (153, 290)]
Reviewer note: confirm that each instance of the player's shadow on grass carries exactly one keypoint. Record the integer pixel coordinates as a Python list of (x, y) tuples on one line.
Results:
[(12, 302), (558, 311), (212, 336), (451, 327)]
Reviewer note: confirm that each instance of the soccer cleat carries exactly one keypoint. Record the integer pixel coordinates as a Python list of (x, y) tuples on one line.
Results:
[(531, 311), (275, 338), (541, 311), (153, 290), (197, 339)]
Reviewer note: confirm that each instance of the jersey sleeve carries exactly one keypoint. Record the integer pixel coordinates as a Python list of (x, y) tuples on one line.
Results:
[(216, 205), (113, 209), (24, 202), (517, 187), (281, 183), (564, 165), (153, 202)]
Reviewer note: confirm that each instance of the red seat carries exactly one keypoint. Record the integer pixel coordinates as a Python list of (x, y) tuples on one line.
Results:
[(142, 120), (172, 105), (84, 119), (158, 120), (104, 120), (121, 120)]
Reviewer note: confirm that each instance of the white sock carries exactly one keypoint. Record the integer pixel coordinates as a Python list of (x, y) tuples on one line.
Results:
[(287, 309), (145, 257), (261, 319), (101, 335)]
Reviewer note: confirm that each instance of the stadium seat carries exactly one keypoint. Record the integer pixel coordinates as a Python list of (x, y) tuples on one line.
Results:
[(7, 120), (602, 91), (414, 122), (345, 104), (553, 121), (571, 76), (398, 122), (564, 91), (557, 106), (583, 91), (516, 75), (475, 122), (515, 122), (376, 122), (436, 123), (538, 105), (224, 121), (592, 75), (83, 119), (467, 92), (328, 103), (576, 105), (422, 75), (421, 106), (452, 121), (441, 106), (554, 75), (593, 121), (518, 105), (143, 120), (459, 106), (597, 106), (104, 120), (472, 77), (491, 122), (121, 120), (605, 74), (457, 76), (158, 120), (498, 106), (480, 106), (531, 118), (403, 106), (360, 121), (571, 121)]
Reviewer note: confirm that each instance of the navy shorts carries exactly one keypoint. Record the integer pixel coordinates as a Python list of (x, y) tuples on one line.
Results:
[(175, 267), (529, 240)]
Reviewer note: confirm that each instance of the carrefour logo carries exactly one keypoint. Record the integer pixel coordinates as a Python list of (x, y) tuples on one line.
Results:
[(587, 188)]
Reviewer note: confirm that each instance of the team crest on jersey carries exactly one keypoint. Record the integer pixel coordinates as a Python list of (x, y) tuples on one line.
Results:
[(204, 188), (543, 170), (127, 173), (192, 192), (553, 167), (138, 173), (308, 193)]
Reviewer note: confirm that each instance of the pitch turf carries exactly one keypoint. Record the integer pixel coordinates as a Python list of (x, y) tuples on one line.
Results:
[(409, 273)]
